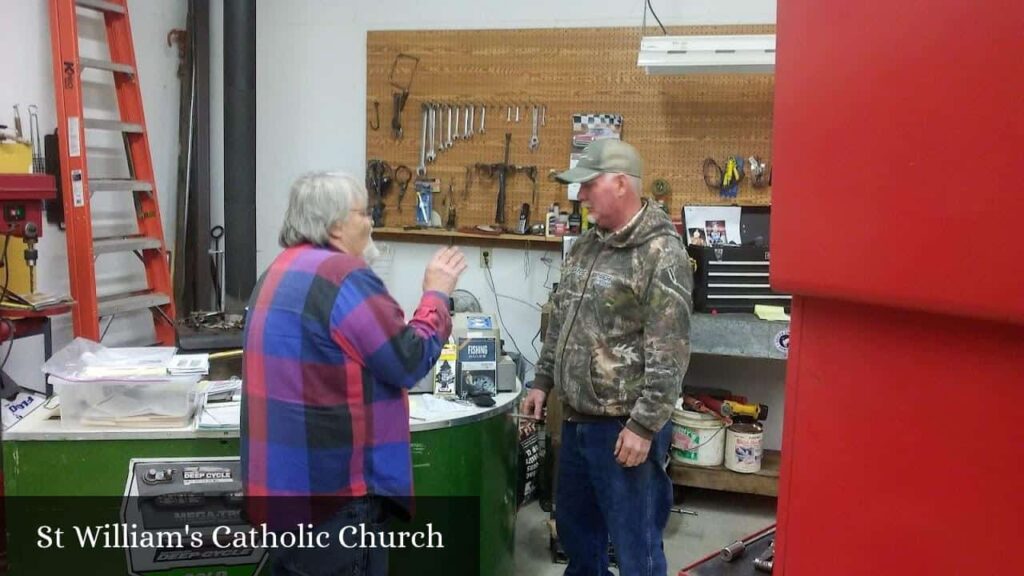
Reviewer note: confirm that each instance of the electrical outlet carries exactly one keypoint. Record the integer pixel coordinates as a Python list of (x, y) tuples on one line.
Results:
[(485, 259)]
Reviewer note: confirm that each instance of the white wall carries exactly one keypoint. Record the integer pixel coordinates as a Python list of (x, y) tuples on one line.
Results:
[(521, 280), (28, 79)]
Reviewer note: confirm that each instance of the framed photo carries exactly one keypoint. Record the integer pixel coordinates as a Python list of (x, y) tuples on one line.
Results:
[(716, 233), (696, 237)]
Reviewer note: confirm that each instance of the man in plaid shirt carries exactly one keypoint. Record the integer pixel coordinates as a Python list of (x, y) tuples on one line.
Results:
[(328, 362)]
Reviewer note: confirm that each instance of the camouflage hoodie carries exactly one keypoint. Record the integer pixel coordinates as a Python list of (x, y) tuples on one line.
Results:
[(618, 342)]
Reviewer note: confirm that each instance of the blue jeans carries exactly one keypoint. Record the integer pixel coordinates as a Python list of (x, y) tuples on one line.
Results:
[(336, 560), (598, 498)]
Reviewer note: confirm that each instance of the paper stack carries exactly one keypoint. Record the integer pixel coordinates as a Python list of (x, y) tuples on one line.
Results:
[(222, 407), (189, 364), (220, 416)]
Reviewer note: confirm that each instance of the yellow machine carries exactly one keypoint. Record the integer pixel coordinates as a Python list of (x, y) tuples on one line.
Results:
[(16, 158)]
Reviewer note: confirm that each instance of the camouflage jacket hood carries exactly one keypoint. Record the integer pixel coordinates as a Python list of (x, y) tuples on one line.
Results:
[(618, 342)]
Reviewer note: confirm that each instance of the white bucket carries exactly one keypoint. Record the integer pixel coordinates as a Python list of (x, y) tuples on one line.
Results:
[(743, 448), (697, 438)]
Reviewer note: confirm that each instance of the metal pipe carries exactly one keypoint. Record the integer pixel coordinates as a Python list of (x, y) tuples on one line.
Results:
[(240, 151)]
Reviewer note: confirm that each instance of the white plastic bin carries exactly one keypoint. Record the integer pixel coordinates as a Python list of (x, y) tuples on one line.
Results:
[(165, 403)]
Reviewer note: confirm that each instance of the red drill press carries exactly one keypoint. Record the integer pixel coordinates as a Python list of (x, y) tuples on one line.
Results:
[(21, 212)]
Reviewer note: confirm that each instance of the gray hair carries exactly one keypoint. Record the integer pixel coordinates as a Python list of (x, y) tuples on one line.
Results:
[(318, 202)]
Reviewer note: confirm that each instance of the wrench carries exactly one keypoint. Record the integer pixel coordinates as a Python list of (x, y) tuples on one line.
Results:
[(457, 110), (440, 125), (508, 116), (36, 137), (465, 123), (534, 140), (483, 118), (544, 115), (765, 562), (431, 154), (421, 170), (17, 124), (472, 119), (448, 142), (517, 113)]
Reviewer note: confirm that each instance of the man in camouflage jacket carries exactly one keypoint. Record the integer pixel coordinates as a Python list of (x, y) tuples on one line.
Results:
[(617, 348)]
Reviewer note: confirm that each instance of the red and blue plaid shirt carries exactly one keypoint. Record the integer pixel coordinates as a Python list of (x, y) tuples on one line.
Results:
[(328, 363)]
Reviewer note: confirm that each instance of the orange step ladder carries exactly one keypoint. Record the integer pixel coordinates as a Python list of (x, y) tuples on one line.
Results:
[(83, 248)]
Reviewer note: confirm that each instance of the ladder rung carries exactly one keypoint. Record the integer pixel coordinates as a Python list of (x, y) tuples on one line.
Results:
[(101, 6), (130, 302), (124, 244), (106, 65), (115, 125), (119, 185)]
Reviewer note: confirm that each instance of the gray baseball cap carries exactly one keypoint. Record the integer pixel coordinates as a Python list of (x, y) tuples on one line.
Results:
[(608, 156)]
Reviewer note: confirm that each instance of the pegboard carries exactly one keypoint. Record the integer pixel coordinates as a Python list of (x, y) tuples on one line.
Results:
[(675, 121)]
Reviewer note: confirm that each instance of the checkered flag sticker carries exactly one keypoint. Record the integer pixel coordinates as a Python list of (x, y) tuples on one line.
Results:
[(581, 122)]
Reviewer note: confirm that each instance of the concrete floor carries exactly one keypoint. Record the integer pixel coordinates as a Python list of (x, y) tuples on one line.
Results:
[(723, 517)]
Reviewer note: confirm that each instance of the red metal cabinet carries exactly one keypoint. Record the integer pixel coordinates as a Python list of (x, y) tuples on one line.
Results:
[(898, 225), (897, 148)]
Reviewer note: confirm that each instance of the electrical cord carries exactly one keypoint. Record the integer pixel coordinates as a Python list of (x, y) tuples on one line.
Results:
[(7, 280), (527, 268), (109, 323), (520, 300), (7, 269), (501, 319), (546, 260), (713, 174), (10, 326), (656, 19)]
